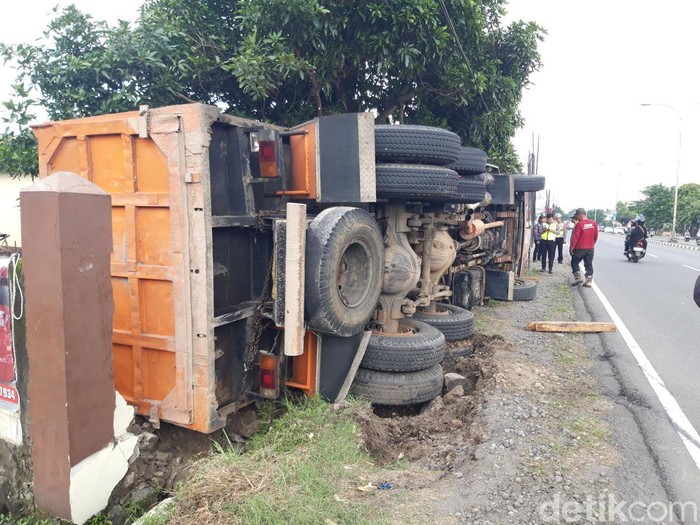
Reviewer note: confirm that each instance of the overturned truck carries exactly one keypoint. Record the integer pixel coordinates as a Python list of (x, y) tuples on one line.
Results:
[(249, 258)]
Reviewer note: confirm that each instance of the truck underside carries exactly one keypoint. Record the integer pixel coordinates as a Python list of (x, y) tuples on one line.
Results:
[(224, 297)]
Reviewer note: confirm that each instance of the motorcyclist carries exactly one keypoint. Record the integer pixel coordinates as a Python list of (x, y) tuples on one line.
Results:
[(637, 233)]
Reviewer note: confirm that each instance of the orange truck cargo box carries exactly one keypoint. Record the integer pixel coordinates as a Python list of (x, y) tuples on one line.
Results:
[(194, 254)]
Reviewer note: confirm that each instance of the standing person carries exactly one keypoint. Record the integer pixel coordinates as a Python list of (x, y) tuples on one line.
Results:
[(581, 248), (548, 243), (560, 229), (537, 237)]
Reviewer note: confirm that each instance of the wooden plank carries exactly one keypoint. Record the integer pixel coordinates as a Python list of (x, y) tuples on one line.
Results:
[(579, 326), (353, 368)]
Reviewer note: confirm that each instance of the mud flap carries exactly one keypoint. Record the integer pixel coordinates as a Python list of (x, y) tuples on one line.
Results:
[(336, 356), (500, 284)]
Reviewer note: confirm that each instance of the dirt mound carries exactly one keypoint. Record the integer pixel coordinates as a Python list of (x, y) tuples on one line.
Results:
[(436, 431)]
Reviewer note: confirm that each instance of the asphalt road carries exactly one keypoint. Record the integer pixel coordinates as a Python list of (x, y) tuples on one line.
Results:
[(653, 299)]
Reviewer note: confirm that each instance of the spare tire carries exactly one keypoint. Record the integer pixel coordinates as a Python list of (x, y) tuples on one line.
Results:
[(524, 290), (418, 346), (415, 144), (344, 270), (415, 181), (389, 388), (471, 161), (470, 190), (527, 183), (453, 321)]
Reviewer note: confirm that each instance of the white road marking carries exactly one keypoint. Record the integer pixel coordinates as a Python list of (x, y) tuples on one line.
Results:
[(654, 256), (692, 268), (680, 421)]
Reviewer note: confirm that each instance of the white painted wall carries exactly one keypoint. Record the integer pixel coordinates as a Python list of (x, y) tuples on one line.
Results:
[(9, 206)]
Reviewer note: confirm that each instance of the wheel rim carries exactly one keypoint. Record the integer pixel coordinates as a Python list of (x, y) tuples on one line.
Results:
[(353, 279)]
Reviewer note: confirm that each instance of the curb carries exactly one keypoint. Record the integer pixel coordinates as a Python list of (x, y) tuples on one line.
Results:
[(676, 245)]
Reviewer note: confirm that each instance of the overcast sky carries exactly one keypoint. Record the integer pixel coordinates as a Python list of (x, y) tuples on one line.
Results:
[(601, 60)]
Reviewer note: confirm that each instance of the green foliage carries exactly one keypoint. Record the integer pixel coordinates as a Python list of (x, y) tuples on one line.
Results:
[(656, 206), (625, 213), (597, 214), (689, 208), (17, 144), (9, 519), (289, 60)]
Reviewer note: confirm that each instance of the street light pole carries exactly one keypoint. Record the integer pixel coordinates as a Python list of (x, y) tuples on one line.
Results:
[(678, 163)]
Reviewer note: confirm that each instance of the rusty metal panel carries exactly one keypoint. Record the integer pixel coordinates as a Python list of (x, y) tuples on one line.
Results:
[(155, 166)]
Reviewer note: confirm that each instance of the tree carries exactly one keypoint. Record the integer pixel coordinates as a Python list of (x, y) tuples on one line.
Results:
[(656, 206), (624, 213), (448, 62), (689, 207)]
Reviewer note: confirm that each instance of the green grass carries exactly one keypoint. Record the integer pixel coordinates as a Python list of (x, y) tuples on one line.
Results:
[(9, 519), (304, 469)]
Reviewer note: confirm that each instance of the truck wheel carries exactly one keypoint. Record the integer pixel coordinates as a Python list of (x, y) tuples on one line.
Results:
[(486, 178), (413, 181), (524, 290), (470, 190), (344, 269), (415, 144), (454, 322), (471, 161), (417, 346), (389, 388), (528, 182)]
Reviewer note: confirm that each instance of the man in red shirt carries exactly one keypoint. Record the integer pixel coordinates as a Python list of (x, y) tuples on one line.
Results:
[(581, 247)]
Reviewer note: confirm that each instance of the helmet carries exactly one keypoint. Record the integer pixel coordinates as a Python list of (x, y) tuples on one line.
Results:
[(639, 218)]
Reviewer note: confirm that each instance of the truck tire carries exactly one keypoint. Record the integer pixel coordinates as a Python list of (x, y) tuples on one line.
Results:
[(470, 190), (524, 290), (415, 144), (471, 161), (389, 388), (527, 183), (418, 347), (414, 181), (486, 178), (454, 322), (344, 270)]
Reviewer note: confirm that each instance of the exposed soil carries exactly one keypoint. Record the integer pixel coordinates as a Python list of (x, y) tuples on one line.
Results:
[(531, 434)]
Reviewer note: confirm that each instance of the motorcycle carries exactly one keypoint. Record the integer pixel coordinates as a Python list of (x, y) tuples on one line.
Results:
[(687, 237), (638, 251)]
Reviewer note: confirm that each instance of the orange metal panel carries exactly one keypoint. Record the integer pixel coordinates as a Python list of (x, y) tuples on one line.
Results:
[(158, 362), (156, 317), (153, 236), (107, 163), (303, 154), (123, 369), (66, 158), (120, 292), (118, 235), (304, 366), (159, 373), (151, 168)]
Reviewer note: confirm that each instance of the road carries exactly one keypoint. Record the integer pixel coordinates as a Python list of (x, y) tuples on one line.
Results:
[(653, 299)]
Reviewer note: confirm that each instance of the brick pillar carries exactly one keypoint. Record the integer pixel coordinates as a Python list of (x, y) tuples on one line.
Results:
[(67, 239)]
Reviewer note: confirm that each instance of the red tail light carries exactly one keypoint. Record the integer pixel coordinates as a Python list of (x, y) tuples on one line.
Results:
[(267, 151), (269, 376)]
